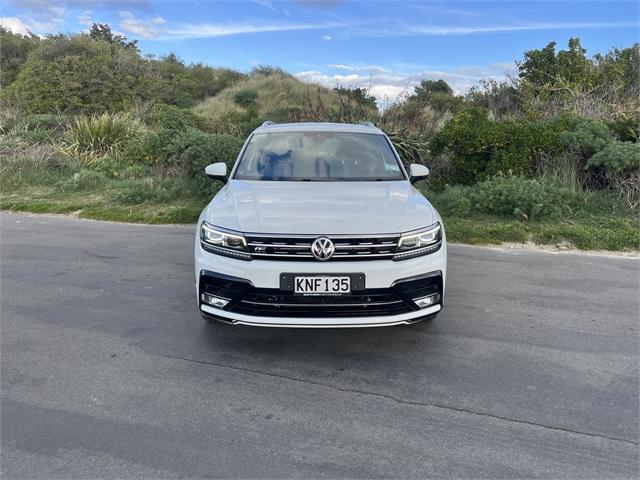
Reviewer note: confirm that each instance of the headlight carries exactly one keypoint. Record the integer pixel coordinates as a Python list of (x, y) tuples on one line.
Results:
[(223, 242), (418, 243)]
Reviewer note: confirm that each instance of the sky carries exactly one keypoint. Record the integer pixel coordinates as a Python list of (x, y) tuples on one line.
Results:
[(385, 46)]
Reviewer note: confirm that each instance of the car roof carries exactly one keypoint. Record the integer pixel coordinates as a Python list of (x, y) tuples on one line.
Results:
[(318, 127)]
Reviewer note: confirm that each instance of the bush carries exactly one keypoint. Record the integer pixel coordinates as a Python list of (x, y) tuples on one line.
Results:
[(626, 127), (203, 149), (98, 72), (617, 157), (245, 98), (91, 137), (454, 201), (521, 197), (169, 117), (584, 136), (163, 146), (481, 148)]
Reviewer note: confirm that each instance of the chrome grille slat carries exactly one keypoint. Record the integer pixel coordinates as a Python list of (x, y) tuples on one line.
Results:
[(298, 247)]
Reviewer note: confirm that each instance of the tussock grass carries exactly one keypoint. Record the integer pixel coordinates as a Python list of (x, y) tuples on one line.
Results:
[(89, 138)]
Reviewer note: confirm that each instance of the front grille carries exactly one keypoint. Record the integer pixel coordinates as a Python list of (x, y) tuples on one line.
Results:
[(275, 303), (347, 247)]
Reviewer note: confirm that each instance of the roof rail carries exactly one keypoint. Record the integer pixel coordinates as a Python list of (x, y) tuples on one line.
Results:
[(366, 124), (267, 123)]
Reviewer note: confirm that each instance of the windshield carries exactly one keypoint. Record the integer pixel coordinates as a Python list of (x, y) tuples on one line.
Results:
[(318, 156)]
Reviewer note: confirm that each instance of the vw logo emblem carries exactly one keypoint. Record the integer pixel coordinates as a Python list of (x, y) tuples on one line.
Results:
[(322, 248)]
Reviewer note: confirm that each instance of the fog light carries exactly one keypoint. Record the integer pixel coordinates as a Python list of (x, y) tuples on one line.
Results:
[(424, 302), (214, 301)]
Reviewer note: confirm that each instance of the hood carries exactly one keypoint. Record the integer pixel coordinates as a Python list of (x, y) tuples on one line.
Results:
[(320, 208)]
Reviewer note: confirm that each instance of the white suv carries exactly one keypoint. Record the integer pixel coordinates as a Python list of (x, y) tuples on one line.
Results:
[(319, 225)]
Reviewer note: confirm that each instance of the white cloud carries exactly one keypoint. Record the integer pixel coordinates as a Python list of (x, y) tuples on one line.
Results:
[(265, 3), (403, 29), (326, 37), (358, 68), (85, 18), (159, 28), (43, 9), (25, 24), (142, 28), (208, 30), (15, 24)]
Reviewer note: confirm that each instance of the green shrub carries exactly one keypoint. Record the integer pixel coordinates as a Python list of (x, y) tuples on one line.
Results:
[(169, 117), (481, 148), (91, 137), (521, 197), (626, 127), (584, 136), (616, 157), (162, 147), (96, 73), (204, 149), (454, 201), (245, 98)]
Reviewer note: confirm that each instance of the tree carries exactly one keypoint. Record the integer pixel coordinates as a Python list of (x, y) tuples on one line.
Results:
[(500, 98), (360, 96), (102, 31), (539, 66), (620, 67), (427, 88), (437, 94), (569, 67), (605, 86)]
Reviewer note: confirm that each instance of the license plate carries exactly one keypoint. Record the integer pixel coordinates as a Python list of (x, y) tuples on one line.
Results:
[(321, 285)]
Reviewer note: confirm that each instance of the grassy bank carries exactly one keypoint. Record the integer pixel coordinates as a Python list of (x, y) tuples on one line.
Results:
[(159, 200)]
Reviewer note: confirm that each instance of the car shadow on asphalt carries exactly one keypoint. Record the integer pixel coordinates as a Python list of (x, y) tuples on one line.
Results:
[(318, 342)]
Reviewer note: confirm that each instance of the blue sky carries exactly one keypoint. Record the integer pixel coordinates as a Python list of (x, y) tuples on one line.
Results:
[(385, 45)]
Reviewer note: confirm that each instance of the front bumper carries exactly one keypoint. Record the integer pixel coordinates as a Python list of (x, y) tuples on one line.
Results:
[(249, 305), (255, 296)]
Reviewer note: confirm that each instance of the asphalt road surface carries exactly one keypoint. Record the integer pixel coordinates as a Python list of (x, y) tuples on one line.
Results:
[(109, 371)]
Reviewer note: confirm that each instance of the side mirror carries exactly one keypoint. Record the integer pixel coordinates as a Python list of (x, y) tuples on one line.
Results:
[(417, 172), (217, 171)]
